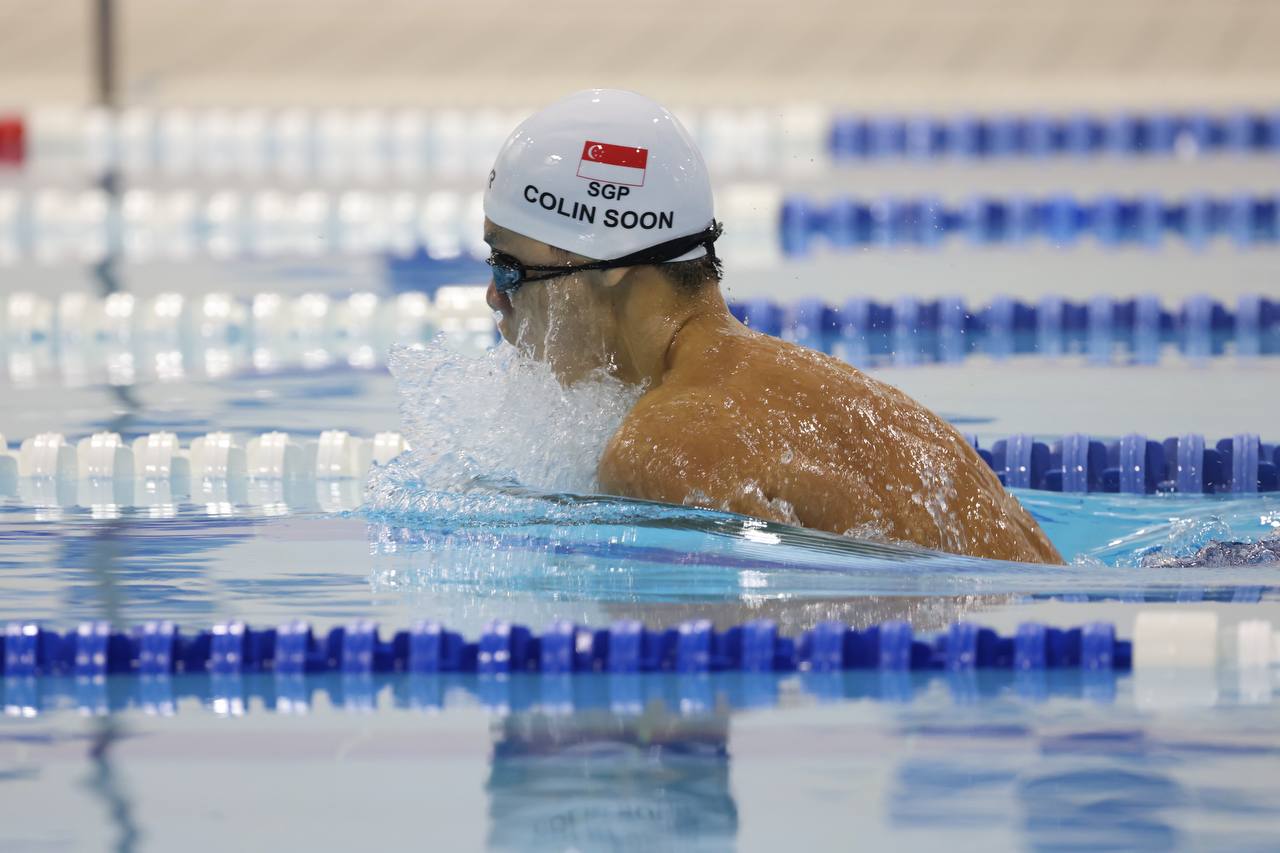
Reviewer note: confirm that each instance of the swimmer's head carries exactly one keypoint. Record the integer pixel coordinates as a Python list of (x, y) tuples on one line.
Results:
[(598, 194)]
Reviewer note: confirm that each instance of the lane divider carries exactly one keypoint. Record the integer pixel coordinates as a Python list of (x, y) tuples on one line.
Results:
[(851, 223), (854, 138), (124, 339), (1132, 464), (369, 144), (261, 320), (441, 228), (219, 317), (276, 455), (1177, 656), (1052, 317), (1135, 464), (563, 648)]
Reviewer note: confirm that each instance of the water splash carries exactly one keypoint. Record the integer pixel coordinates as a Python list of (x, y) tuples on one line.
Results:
[(1184, 538), (1146, 531), (1264, 552), (1211, 542), (495, 435), (499, 443)]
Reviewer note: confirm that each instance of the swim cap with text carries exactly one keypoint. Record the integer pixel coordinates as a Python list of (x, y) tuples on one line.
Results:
[(601, 173)]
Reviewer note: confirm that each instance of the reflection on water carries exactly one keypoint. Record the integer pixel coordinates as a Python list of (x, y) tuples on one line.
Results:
[(668, 762), (1096, 808), (602, 781), (627, 695), (229, 560), (1122, 786)]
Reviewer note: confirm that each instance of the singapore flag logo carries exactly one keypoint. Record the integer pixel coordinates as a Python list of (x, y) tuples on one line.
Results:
[(614, 164)]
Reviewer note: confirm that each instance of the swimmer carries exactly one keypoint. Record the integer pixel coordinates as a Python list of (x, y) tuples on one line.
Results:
[(599, 216)]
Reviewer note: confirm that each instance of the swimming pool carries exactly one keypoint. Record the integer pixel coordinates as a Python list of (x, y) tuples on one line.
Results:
[(1057, 761), (254, 311)]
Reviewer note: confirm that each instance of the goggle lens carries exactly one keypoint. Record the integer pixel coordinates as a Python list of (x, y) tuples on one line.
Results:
[(507, 273)]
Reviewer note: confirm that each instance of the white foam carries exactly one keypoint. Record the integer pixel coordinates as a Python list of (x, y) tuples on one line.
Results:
[(498, 419)]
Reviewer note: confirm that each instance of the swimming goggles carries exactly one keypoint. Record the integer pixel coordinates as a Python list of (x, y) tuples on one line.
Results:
[(509, 273)]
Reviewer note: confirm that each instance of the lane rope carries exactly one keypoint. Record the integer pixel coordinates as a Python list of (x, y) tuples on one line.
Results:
[(563, 648), (846, 223), (1132, 464)]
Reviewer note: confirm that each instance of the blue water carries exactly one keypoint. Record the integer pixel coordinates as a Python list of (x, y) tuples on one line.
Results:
[(977, 764), (267, 552), (272, 563)]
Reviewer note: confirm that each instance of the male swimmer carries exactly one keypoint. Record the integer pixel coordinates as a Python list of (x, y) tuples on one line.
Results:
[(599, 214)]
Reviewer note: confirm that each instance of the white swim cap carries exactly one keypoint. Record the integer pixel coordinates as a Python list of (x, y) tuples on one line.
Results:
[(603, 174)]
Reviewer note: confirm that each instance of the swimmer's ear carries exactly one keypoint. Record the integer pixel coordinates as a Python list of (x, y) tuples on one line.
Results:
[(613, 277)]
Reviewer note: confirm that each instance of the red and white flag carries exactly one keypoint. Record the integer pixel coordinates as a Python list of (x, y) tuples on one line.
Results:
[(614, 164)]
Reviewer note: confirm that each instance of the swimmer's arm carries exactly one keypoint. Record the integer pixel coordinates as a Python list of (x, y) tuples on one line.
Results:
[(697, 468)]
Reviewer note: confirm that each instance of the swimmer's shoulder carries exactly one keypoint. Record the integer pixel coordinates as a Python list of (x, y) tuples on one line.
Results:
[(730, 355), (673, 434), (685, 415)]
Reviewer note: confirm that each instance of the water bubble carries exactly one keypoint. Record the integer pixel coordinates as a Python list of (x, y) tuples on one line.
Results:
[(495, 423)]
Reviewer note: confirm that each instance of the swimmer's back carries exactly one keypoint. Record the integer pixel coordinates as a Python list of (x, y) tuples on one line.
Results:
[(753, 424)]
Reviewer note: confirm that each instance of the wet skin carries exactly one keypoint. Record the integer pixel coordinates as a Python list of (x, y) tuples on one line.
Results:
[(763, 427), (737, 420)]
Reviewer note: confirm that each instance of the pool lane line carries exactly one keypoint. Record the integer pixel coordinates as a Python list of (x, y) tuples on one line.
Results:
[(355, 329), (413, 144), (94, 649), (854, 224), (624, 669), (48, 465), (854, 138), (1181, 637), (1199, 316)]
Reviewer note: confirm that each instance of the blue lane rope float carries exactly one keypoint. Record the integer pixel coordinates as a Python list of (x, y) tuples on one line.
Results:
[(624, 668), (851, 223), (909, 328), (160, 649), (855, 138), (1200, 321), (799, 222), (1136, 464)]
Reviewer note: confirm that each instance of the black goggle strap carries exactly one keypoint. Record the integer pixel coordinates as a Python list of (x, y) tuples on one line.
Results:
[(652, 255)]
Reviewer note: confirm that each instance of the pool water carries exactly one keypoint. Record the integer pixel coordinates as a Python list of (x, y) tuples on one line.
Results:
[(979, 764), (1001, 771)]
